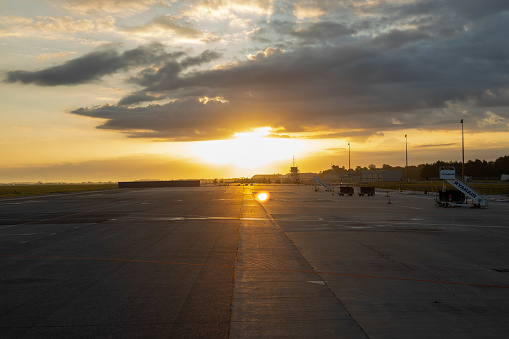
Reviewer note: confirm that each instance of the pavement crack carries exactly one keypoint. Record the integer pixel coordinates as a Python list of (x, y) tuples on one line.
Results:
[(386, 256)]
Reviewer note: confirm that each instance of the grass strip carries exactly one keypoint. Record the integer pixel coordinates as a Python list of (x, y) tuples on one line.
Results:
[(19, 190)]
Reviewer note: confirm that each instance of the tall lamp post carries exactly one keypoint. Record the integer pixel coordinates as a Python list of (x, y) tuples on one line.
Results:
[(348, 156), (462, 152), (406, 157)]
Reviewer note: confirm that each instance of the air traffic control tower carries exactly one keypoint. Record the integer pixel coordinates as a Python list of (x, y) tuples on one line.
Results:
[(294, 173)]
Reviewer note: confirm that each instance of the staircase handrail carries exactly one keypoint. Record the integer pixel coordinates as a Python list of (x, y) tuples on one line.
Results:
[(319, 181), (472, 193)]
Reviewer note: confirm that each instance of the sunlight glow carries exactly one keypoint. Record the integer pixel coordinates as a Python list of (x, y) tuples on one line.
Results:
[(248, 149), (262, 196)]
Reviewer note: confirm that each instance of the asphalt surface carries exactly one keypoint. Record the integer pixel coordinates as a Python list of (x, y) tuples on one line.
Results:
[(215, 262)]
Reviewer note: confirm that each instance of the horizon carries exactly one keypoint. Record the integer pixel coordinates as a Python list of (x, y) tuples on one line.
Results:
[(222, 177), (117, 90)]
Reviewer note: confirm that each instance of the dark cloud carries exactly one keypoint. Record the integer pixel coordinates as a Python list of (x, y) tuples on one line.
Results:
[(204, 57), (183, 120), (136, 98), (468, 9), (322, 31), (397, 38), (169, 73), (106, 61), (287, 33), (444, 18), (92, 66), (435, 145)]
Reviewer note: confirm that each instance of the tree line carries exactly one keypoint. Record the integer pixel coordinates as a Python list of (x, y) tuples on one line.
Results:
[(473, 168)]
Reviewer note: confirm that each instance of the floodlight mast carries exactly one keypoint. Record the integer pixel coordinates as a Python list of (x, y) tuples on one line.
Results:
[(406, 157), (349, 156), (462, 152)]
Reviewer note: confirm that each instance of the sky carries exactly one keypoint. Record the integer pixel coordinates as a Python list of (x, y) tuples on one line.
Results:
[(100, 90)]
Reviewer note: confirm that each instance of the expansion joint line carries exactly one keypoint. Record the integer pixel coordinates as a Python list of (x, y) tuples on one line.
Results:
[(314, 270), (235, 262)]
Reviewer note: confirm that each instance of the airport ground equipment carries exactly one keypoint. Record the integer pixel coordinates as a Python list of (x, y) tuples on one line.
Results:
[(369, 191), (345, 190), (450, 198), (320, 182), (445, 198)]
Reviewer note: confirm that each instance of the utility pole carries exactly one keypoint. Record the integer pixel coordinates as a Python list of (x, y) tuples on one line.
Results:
[(406, 156), (462, 152)]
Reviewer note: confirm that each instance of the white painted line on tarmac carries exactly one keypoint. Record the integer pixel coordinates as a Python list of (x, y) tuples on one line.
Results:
[(414, 208)]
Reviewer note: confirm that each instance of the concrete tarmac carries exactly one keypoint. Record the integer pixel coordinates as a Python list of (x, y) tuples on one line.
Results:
[(215, 262)]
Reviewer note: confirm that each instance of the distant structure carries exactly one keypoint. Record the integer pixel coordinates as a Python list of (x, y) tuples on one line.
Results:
[(304, 178), (383, 175), (147, 184), (269, 178), (294, 172), (307, 178), (336, 175)]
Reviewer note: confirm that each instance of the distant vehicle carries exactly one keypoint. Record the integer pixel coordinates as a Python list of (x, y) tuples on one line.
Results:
[(369, 191), (345, 190)]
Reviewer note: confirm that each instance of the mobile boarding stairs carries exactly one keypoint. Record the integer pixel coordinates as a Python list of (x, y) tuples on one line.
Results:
[(444, 198), (321, 183)]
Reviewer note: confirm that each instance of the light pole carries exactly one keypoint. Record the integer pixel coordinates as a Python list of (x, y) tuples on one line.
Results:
[(406, 157), (462, 153), (348, 156)]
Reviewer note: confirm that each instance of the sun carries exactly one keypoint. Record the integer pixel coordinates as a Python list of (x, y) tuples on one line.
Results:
[(262, 196), (248, 150)]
